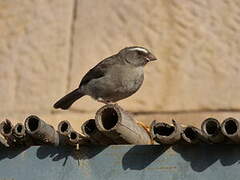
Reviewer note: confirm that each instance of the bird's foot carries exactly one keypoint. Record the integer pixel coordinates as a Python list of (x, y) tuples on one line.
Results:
[(101, 100), (105, 101), (110, 102)]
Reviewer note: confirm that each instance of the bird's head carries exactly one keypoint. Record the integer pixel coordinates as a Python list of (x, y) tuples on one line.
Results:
[(137, 56)]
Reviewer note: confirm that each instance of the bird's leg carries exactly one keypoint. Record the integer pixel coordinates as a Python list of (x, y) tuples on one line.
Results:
[(110, 102), (101, 100), (105, 101)]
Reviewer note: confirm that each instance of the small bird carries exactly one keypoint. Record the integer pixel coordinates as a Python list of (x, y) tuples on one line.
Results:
[(114, 78)]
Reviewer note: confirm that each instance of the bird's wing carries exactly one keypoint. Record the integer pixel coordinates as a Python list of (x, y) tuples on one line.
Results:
[(98, 71)]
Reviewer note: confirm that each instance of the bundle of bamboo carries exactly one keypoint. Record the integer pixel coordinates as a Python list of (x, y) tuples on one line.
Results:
[(113, 125)]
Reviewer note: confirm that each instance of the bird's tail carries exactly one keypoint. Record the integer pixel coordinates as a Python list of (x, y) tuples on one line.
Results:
[(66, 101)]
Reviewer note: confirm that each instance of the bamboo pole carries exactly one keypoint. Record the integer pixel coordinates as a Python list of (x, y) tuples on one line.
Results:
[(64, 128), (76, 139), (211, 129), (192, 135), (230, 128), (6, 128), (40, 131), (22, 138), (90, 130), (3, 142), (119, 126), (164, 133)]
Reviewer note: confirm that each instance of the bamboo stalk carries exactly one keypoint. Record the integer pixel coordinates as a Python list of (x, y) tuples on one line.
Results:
[(192, 135), (77, 139), (22, 138), (119, 126), (73, 138), (211, 129), (64, 128), (6, 128), (40, 131), (164, 133), (90, 130), (3, 142), (230, 128)]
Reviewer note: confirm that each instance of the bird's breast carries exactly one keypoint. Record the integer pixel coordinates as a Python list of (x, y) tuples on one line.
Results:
[(118, 83), (129, 79)]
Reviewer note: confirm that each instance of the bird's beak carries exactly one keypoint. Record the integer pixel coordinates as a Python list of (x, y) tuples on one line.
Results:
[(151, 57)]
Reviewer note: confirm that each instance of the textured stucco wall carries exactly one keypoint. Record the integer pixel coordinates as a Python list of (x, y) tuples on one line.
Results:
[(47, 46), (34, 53)]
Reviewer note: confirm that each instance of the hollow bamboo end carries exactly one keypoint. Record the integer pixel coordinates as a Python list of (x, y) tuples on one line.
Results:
[(32, 124), (165, 133), (73, 137), (108, 117), (191, 134), (64, 127), (211, 127), (230, 127), (164, 129), (6, 128), (19, 129), (89, 127)]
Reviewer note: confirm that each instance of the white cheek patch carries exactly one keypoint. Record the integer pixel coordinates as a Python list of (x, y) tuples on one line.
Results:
[(139, 49)]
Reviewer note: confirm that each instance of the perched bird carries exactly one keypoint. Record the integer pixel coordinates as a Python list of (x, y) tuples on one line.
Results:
[(114, 78)]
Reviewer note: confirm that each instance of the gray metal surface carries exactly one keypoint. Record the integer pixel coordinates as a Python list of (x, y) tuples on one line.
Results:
[(220, 162)]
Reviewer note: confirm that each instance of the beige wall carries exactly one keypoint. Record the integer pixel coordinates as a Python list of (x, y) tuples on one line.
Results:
[(47, 46)]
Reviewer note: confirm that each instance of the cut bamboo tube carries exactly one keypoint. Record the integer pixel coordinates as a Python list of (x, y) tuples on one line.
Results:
[(192, 135), (164, 133), (22, 138), (230, 128), (211, 129), (119, 126), (64, 128), (90, 130), (40, 131), (3, 142), (6, 128), (77, 139)]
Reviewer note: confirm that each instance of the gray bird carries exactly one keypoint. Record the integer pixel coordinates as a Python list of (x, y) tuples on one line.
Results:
[(114, 78)]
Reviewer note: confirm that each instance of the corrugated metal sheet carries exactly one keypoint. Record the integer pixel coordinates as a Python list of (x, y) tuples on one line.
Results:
[(215, 162)]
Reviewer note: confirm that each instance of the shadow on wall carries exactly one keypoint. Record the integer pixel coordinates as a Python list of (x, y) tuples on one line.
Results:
[(202, 157), (10, 153), (57, 153), (140, 157)]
